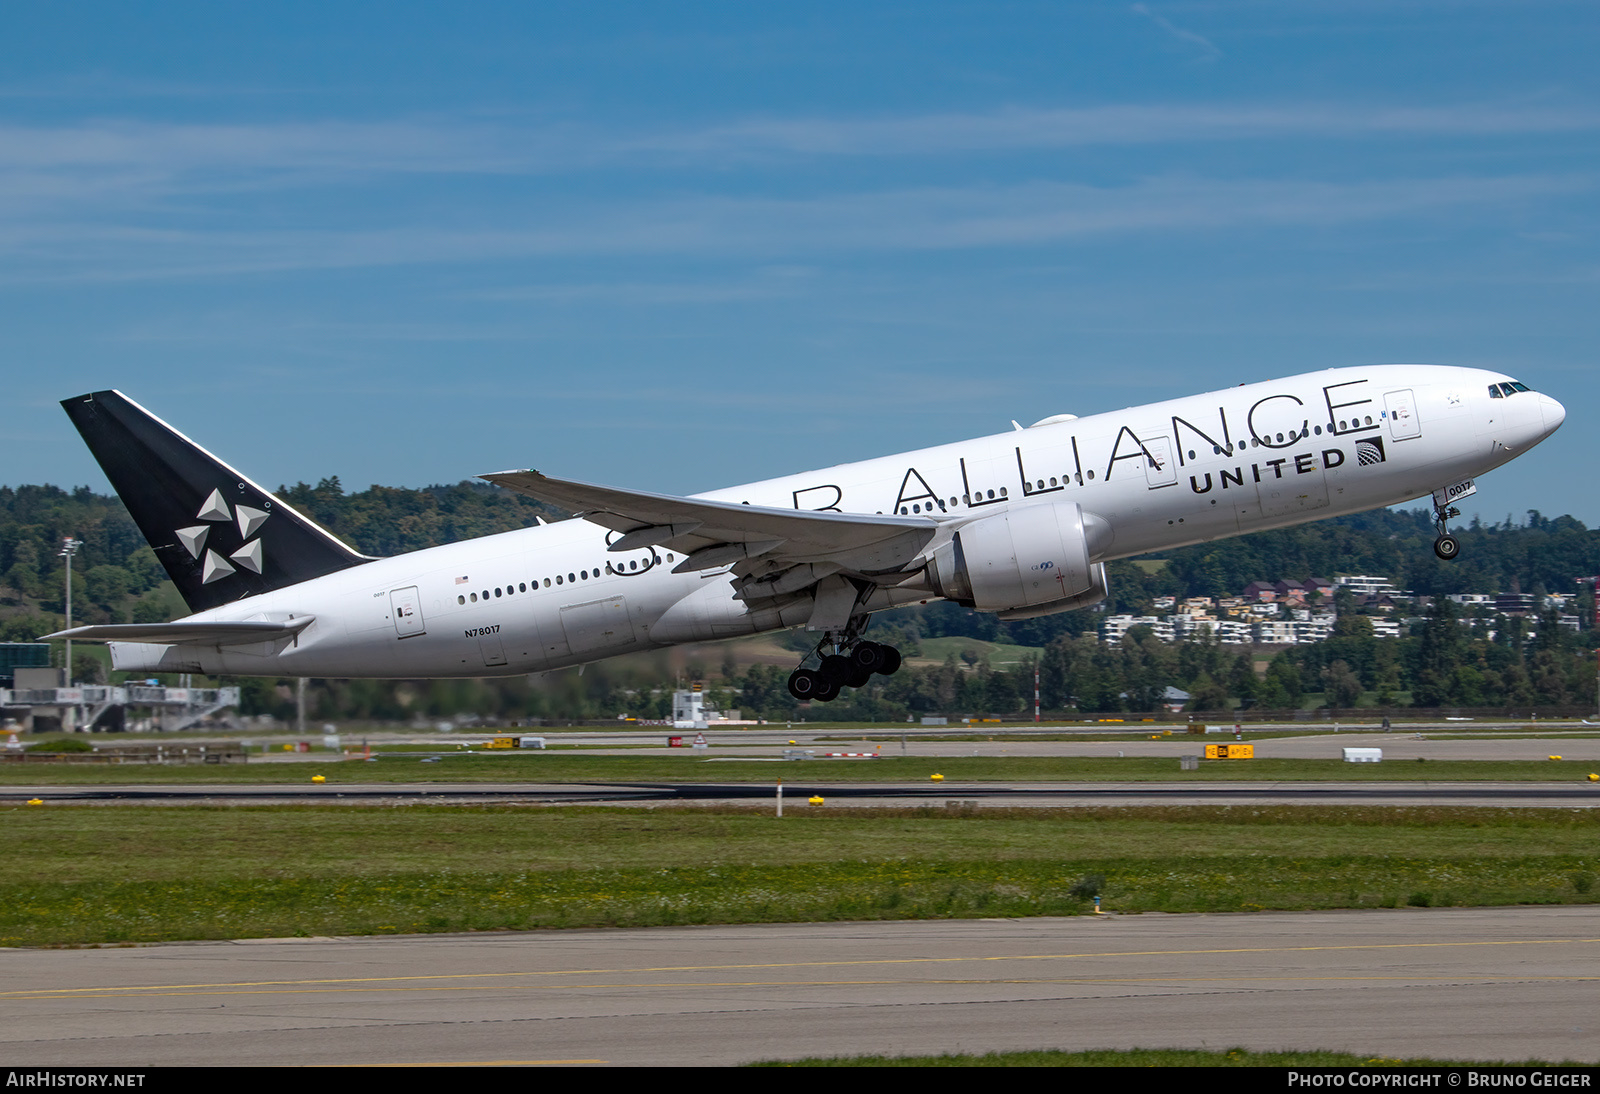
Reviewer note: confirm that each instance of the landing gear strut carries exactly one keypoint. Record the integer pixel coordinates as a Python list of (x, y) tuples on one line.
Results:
[(1446, 546), (852, 663)]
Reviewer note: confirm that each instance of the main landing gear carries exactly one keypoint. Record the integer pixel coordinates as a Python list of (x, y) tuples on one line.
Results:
[(852, 663), (1446, 546)]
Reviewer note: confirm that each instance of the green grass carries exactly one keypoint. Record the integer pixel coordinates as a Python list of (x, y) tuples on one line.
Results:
[(690, 766), (936, 650), (1152, 1057), (107, 875)]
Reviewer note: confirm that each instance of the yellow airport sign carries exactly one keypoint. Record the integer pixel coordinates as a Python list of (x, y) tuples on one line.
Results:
[(1230, 752)]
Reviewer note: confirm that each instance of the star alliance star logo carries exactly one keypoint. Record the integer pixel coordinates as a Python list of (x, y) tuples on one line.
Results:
[(215, 510)]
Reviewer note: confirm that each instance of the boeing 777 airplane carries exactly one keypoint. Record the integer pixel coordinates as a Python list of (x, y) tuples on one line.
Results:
[(1020, 524)]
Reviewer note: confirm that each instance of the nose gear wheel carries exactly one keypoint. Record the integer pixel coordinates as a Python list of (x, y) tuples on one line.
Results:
[(1447, 547)]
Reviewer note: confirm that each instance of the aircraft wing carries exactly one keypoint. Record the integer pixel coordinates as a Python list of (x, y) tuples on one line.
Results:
[(773, 552), (190, 633)]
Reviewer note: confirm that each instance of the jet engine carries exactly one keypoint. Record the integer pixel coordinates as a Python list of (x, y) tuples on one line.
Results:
[(1024, 561)]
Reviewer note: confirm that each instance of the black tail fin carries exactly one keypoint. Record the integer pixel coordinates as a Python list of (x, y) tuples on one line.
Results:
[(219, 535)]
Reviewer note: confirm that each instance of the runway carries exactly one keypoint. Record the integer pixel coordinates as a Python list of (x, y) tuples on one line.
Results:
[(1566, 795), (1484, 984)]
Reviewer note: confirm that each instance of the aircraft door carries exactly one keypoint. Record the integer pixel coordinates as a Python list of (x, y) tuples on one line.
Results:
[(1159, 467), (405, 608), (1402, 413)]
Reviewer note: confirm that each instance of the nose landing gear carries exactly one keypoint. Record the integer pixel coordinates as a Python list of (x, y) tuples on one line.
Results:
[(852, 663), (1446, 546)]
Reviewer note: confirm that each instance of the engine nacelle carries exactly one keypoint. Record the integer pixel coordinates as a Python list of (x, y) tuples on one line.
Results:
[(1098, 590), (1024, 558)]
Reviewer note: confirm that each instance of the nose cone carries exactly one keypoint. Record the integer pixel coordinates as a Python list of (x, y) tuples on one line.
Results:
[(1554, 414)]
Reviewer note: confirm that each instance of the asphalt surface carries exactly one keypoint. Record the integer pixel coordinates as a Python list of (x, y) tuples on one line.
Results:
[(751, 759), (1471, 984), (797, 793)]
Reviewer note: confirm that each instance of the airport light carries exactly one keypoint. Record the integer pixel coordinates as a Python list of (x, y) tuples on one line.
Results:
[(69, 547)]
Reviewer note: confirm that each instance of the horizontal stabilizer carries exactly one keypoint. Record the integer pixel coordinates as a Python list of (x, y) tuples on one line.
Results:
[(196, 633)]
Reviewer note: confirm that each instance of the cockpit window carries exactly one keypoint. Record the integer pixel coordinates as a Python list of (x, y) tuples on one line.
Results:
[(1506, 390), (1494, 392)]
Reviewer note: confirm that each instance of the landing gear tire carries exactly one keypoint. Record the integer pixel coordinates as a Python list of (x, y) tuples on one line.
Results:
[(1447, 547), (868, 657), (837, 668), (805, 684), (891, 661), (883, 660), (851, 665)]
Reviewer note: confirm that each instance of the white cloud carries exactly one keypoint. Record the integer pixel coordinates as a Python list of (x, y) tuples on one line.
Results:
[(769, 229), (134, 162), (1208, 50)]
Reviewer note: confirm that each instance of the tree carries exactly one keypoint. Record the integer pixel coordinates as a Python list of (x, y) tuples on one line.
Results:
[(1341, 685)]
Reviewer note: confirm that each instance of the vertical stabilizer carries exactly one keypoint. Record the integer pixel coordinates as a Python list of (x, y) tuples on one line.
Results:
[(220, 536)]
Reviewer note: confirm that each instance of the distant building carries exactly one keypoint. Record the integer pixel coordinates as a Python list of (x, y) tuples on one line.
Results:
[(1514, 603), (1363, 585), (21, 655)]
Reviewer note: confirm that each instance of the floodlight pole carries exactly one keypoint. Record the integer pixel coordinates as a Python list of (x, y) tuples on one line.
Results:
[(69, 547)]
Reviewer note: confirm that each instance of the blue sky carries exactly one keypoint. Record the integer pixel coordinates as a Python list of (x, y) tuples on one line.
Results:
[(683, 246)]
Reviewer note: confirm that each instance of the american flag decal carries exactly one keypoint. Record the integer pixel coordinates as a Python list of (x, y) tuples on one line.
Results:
[(461, 581)]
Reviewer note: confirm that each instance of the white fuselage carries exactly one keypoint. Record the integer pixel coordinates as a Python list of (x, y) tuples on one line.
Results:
[(1163, 475)]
